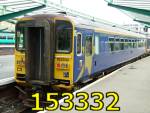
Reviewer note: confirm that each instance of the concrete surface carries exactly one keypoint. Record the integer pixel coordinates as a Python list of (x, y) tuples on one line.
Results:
[(131, 82), (6, 69)]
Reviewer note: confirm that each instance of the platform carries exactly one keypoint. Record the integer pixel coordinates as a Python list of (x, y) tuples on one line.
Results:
[(131, 82), (6, 69)]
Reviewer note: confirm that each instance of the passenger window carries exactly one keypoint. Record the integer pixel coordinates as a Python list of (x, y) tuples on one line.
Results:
[(138, 43), (122, 44), (79, 44), (117, 40), (126, 46), (111, 43), (130, 44), (88, 45), (133, 44), (117, 47), (97, 46), (143, 44)]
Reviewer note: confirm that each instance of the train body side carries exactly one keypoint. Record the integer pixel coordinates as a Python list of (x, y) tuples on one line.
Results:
[(102, 57), (91, 51)]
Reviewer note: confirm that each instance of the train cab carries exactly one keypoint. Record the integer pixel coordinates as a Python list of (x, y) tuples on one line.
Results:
[(44, 51)]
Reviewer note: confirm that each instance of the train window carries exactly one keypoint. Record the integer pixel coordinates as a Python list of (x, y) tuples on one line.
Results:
[(116, 46), (111, 39), (10, 38), (20, 45), (117, 40), (141, 43), (130, 44), (126, 46), (122, 44), (88, 45), (111, 44), (79, 44), (135, 44), (97, 46), (138, 42), (63, 36)]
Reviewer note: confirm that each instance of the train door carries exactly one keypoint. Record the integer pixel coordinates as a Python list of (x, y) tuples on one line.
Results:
[(88, 54), (63, 62), (83, 59), (37, 52), (79, 57)]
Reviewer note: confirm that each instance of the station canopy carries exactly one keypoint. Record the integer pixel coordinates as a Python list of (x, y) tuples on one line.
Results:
[(11, 10), (139, 10)]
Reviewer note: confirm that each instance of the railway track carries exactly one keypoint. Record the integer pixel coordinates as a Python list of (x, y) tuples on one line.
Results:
[(9, 100)]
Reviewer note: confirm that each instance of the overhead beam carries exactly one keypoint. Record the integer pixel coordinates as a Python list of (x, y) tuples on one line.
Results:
[(19, 13), (16, 3), (1, 31), (143, 22), (6, 31), (11, 21), (131, 9)]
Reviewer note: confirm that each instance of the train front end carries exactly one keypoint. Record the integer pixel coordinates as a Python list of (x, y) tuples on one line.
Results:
[(44, 51)]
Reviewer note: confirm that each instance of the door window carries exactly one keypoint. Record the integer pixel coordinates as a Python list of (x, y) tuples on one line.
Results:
[(79, 44), (97, 46), (63, 36), (88, 45)]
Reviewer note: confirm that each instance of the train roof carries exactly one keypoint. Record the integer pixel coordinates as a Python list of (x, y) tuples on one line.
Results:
[(101, 26), (105, 28)]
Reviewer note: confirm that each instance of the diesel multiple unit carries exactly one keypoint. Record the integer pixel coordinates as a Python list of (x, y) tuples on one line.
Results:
[(60, 51)]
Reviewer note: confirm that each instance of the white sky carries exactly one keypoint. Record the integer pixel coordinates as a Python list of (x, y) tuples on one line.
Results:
[(97, 8)]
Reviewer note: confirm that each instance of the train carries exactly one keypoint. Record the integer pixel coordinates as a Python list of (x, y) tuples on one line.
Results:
[(7, 38), (61, 52)]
